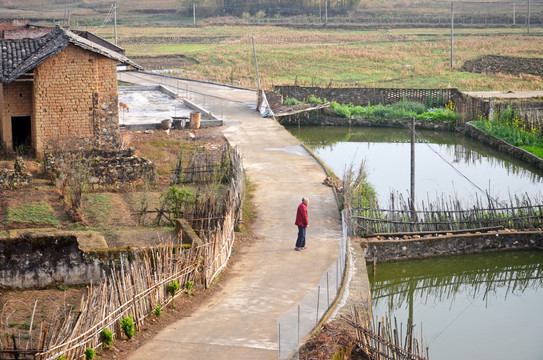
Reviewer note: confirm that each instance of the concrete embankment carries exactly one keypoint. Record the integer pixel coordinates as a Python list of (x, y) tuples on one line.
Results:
[(397, 249)]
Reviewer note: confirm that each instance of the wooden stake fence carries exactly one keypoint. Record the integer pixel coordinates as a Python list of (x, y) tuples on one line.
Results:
[(518, 213), (381, 340), (138, 285)]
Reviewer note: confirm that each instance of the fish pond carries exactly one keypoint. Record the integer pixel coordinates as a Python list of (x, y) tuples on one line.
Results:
[(447, 164), (483, 306)]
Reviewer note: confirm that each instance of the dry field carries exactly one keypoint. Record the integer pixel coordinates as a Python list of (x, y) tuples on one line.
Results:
[(418, 58)]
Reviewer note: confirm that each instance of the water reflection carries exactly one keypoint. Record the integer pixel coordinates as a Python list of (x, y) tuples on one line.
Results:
[(472, 307), (387, 155)]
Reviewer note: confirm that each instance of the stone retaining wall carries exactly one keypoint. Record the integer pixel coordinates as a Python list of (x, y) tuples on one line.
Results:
[(31, 262), (38, 261), (316, 117), (482, 137), (366, 96), (16, 178), (109, 169), (397, 250)]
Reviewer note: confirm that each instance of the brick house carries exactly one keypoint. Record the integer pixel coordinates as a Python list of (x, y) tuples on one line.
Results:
[(57, 89)]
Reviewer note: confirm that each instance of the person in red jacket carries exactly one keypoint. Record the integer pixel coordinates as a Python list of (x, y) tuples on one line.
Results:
[(302, 223)]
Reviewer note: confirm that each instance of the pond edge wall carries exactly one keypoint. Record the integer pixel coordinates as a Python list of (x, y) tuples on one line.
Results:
[(399, 250)]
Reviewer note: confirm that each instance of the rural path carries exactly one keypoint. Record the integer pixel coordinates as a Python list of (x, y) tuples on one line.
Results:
[(269, 278)]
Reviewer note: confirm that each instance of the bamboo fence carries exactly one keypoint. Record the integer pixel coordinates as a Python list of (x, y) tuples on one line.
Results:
[(382, 340), (451, 215), (138, 285)]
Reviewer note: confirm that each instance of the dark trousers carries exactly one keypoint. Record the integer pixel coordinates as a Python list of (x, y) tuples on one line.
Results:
[(300, 242)]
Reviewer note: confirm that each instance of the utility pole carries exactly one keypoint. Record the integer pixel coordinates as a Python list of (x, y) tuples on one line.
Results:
[(69, 18), (115, 21), (256, 66), (528, 17), (64, 17), (514, 14), (452, 33), (325, 12), (412, 195), (320, 12), (194, 13)]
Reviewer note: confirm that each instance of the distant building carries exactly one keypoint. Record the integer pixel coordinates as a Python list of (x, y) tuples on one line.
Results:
[(57, 87)]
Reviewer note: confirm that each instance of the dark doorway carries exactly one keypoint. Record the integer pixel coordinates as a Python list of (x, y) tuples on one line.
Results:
[(21, 133)]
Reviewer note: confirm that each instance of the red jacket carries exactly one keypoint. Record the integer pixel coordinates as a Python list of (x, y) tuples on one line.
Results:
[(301, 216)]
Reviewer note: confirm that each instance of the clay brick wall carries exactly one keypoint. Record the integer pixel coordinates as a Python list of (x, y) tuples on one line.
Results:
[(17, 101), (69, 88)]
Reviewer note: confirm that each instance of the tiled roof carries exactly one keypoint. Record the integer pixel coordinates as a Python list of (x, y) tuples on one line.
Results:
[(19, 56)]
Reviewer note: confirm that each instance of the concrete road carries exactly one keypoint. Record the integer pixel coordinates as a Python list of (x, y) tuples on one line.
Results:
[(269, 277)]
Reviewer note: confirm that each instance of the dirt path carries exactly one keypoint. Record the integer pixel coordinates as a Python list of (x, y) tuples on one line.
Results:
[(240, 322)]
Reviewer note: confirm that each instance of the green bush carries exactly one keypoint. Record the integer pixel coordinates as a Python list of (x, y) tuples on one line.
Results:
[(62, 357), (127, 325), (437, 114), (290, 101), (313, 100), (89, 353), (158, 310), (176, 199), (188, 287), (173, 287), (107, 338)]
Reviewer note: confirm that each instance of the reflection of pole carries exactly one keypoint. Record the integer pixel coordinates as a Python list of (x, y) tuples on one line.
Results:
[(412, 195), (410, 318), (194, 13)]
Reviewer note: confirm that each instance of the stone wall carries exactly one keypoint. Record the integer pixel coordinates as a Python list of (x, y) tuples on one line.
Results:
[(502, 146), (31, 262), (38, 261), (397, 250), (108, 169), (366, 96), (16, 178)]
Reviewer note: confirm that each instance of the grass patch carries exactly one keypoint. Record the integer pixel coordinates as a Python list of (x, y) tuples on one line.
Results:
[(537, 151), (98, 207), (33, 212)]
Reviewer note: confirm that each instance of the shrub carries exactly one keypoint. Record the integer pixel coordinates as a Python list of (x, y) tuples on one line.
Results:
[(290, 101), (261, 14), (158, 310), (107, 338), (62, 357), (173, 287), (313, 100), (127, 325), (188, 287), (89, 353), (176, 199)]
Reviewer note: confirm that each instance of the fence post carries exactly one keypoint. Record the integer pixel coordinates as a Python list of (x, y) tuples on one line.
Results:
[(318, 303)]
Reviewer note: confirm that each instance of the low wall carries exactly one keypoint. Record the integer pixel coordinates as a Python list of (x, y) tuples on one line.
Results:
[(37, 262), (482, 137), (366, 96), (316, 118), (397, 250), (111, 169), (16, 178)]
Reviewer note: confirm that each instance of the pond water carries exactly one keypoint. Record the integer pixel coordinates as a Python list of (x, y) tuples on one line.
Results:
[(450, 165), (487, 306)]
